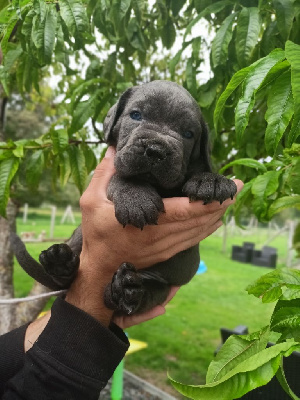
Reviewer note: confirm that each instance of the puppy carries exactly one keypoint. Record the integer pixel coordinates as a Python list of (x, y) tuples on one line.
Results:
[(161, 145)]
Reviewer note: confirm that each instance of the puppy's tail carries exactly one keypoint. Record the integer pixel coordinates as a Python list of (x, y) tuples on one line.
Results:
[(29, 264)]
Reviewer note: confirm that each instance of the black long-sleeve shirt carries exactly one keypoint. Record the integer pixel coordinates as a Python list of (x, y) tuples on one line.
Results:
[(72, 359)]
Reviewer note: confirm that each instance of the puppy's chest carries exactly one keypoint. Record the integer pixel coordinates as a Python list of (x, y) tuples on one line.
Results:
[(166, 193)]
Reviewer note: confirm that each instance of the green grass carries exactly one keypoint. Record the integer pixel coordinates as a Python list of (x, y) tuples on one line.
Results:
[(39, 220), (184, 339)]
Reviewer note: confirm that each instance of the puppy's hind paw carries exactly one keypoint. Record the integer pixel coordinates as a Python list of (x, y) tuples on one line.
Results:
[(126, 291), (60, 263)]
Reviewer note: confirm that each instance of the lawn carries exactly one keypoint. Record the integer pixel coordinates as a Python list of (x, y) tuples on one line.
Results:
[(184, 339)]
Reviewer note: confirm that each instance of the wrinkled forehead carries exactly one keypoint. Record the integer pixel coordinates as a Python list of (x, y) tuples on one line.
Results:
[(164, 99)]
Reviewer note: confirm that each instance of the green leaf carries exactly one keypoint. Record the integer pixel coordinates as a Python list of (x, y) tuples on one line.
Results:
[(251, 373), (285, 317), (265, 185), (8, 169), (43, 34), (283, 382), (292, 52), (90, 158), (247, 34), (82, 89), (60, 140), (78, 168), (8, 31), (74, 15), (175, 60), (12, 56), (280, 111), (269, 286), (293, 180), (19, 150), (262, 187), (274, 73), (34, 169), (64, 167), (242, 197), (135, 35), (283, 203), (247, 162), (118, 10), (235, 81), (39, 7), (252, 82), (291, 292), (211, 9), (235, 350), (83, 111), (176, 6), (191, 77), (221, 41), (286, 320), (168, 34), (284, 10), (27, 24)]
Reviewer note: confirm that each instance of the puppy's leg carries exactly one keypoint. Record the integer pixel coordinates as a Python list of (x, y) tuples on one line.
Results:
[(208, 187), (136, 203)]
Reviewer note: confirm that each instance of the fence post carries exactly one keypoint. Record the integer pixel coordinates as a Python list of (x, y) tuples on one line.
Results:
[(25, 212), (290, 250), (52, 224)]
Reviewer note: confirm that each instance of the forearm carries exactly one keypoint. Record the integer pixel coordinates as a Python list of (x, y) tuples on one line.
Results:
[(74, 356)]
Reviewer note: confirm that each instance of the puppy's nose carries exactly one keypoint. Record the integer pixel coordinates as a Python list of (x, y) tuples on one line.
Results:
[(155, 152)]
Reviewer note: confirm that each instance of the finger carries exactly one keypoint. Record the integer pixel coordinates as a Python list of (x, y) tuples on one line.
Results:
[(102, 174), (127, 322), (181, 241), (183, 227), (180, 209), (195, 239), (239, 185)]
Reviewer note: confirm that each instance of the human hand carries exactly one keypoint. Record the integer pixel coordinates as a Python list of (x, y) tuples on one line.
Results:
[(106, 244), (182, 225)]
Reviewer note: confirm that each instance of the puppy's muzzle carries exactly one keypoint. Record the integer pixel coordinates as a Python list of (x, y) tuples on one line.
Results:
[(155, 152)]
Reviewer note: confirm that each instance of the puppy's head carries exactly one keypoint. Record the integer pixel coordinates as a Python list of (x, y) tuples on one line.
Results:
[(159, 134)]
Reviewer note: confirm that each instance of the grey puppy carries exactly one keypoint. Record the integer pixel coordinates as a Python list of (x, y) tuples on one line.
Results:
[(161, 145)]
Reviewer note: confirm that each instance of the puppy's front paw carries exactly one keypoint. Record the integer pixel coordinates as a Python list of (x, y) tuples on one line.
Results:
[(60, 263), (138, 208), (125, 293), (209, 187)]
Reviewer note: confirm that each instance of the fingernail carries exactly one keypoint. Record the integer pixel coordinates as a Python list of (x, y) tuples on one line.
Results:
[(110, 152)]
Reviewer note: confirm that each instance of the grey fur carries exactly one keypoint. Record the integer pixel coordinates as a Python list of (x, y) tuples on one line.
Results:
[(156, 158)]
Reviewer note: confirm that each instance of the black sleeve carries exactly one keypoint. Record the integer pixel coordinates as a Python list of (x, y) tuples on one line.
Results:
[(12, 354), (72, 359)]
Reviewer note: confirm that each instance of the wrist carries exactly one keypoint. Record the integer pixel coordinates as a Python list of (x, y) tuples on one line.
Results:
[(34, 330), (87, 293)]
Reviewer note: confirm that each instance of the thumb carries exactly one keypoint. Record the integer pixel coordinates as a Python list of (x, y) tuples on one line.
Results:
[(103, 173)]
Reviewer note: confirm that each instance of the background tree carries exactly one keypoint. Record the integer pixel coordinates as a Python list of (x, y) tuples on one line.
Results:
[(100, 48)]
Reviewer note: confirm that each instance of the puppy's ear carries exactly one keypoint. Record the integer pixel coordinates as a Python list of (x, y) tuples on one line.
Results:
[(200, 158), (113, 115)]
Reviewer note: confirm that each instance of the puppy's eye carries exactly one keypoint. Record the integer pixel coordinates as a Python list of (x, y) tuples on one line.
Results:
[(188, 134), (136, 115)]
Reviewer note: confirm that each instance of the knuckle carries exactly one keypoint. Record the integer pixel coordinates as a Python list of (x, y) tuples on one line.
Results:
[(86, 202)]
